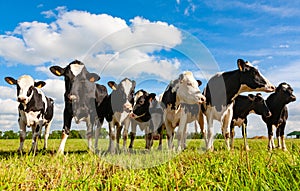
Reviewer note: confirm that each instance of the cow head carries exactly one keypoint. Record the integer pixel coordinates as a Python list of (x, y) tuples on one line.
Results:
[(251, 79), (141, 106), (286, 92), (259, 105), (122, 95), (187, 89), (25, 87), (79, 88)]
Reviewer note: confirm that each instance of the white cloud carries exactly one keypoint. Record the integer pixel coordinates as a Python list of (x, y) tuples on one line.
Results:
[(96, 39)]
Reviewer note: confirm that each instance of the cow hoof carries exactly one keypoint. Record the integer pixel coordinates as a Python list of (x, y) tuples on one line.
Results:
[(284, 149)]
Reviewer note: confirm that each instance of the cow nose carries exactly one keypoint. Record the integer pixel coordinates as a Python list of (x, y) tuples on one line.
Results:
[(271, 88), (127, 107), (21, 99)]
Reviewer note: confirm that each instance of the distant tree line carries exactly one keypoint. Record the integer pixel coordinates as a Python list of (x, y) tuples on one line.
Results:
[(79, 134), (74, 134)]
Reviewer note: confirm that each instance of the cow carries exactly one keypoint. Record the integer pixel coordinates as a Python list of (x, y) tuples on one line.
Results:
[(117, 107), (146, 113), (180, 96), (222, 89), (277, 102), (35, 109), (81, 97), (242, 107)]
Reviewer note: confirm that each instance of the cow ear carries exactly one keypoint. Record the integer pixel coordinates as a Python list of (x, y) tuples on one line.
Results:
[(133, 83), (92, 77), (10, 80), (57, 70), (151, 96), (112, 85), (39, 84), (241, 64), (199, 83), (251, 97)]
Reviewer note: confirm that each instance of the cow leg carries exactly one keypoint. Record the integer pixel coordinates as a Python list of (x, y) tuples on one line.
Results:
[(132, 134), (244, 129), (97, 133), (170, 134), (232, 134), (112, 138), (226, 126), (46, 134), (65, 131), (210, 134), (35, 134), (280, 134), (201, 124), (22, 126), (271, 144), (89, 132), (125, 133), (180, 131), (160, 132), (119, 130)]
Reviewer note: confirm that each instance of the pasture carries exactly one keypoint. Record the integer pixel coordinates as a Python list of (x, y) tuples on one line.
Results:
[(192, 169)]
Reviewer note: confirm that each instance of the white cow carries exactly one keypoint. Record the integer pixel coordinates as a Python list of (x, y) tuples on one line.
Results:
[(181, 100)]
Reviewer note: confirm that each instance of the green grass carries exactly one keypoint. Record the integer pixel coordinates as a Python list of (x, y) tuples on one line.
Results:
[(192, 169)]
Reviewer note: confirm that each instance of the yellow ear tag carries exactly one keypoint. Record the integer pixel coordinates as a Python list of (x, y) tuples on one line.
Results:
[(39, 86), (10, 82), (57, 72), (114, 88), (92, 79)]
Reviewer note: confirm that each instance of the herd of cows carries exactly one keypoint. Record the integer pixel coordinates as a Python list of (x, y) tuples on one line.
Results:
[(181, 103)]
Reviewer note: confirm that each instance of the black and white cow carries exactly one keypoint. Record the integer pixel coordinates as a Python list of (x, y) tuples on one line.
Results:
[(35, 109), (277, 102), (222, 89), (82, 96), (146, 113), (242, 107), (118, 106), (178, 98)]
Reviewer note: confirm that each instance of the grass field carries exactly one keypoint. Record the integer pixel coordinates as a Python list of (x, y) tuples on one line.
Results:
[(192, 169)]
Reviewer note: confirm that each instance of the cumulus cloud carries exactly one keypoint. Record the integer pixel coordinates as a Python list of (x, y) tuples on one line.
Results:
[(99, 40)]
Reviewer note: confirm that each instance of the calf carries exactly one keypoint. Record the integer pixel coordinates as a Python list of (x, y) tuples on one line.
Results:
[(181, 94), (118, 106), (222, 89), (277, 102), (242, 107), (82, 96), (35, 109), (146, 113)]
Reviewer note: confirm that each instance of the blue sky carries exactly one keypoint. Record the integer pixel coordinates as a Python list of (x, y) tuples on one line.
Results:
[(149, 41)]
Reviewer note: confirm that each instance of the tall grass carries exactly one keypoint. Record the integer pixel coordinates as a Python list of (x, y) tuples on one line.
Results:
[(192, 169)]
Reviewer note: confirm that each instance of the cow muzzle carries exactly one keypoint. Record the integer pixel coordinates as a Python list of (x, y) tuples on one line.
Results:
[(22, 100), (269, 88), (127, 107)]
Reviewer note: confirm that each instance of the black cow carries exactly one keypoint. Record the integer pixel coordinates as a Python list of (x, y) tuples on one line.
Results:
[(148, 114), (222, 89), (117, 107), (277, 102), (35, 109), (82, 96), (242, 107)]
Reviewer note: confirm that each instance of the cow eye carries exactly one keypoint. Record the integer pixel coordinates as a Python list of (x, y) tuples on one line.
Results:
[(141, 102), (189, 84), (29, 91)]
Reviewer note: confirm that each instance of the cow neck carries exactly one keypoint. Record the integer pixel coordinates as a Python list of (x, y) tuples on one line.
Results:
[(34, 105), (275, 103), (232, 79), (248, 108)]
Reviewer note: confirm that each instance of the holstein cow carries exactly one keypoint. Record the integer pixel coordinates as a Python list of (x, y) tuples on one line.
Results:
[(222, 89), (35, 109), (82, 96), (146, 113), (118, 106), (242, 107), (177, 98), (277, 102)]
